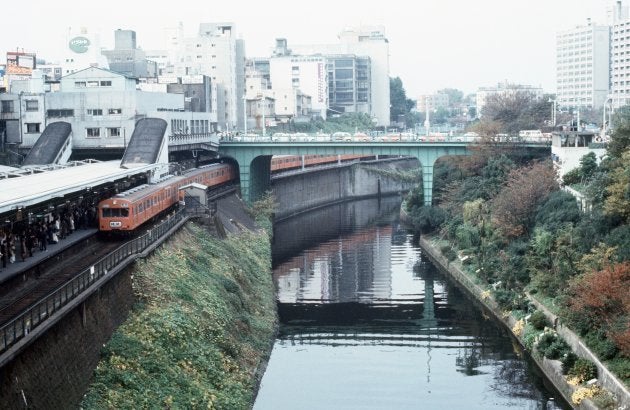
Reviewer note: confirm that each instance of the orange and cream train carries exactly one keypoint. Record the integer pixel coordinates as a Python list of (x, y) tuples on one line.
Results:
[(126, 211), (281, 163)]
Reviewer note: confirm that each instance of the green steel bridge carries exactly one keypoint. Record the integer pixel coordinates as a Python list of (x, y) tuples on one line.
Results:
[(254, 158)]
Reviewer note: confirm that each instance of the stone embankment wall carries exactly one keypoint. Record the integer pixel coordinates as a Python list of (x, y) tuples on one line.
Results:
[(299, 192), (55, 369), (551, 368)]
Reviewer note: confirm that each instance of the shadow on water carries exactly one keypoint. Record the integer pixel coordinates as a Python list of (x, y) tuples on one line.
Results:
[(305, 230)]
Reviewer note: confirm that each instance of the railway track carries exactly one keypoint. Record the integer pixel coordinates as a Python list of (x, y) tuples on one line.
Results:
[(75, 259)]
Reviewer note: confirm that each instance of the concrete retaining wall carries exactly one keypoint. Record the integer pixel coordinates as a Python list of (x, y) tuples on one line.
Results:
[(550, 368), (55, 370), (310, 189)]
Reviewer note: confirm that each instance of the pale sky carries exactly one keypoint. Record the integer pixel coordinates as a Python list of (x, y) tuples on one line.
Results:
[(434, 44)]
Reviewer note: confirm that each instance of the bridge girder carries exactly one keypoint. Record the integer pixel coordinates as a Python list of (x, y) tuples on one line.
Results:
[(255, 176)]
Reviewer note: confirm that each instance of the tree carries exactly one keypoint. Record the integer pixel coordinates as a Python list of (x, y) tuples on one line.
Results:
[(514, 207), (400, 104), (588, 165), (559, 209), (516, 111), (620, 136), (455, 96), (603, 296), (618, 200)]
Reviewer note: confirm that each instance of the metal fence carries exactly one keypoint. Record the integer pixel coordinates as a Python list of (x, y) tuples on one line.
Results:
[(18, 328)]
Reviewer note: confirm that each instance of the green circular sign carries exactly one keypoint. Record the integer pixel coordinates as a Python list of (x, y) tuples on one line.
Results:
[(79, 44)]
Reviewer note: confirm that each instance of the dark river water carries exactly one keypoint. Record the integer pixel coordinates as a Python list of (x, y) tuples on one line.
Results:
[(367, 322)]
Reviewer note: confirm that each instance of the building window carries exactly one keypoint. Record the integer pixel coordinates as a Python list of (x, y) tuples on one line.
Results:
[(32, 127), (95, 111), (7, 106), (32, 105), (60, 113), (79, 84), (113, 132), (106, 83), (114, 111), (92, 84), (93, 132)]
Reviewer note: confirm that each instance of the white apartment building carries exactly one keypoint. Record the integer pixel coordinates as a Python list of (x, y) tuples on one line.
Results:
[(583, 66), (217, 53), (364, 41), (504, 88), (620, 63), (293, 74)]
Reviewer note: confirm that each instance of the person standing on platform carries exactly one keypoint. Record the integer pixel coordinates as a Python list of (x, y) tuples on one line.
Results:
[(43, 237), (23, 246), (3, 249)]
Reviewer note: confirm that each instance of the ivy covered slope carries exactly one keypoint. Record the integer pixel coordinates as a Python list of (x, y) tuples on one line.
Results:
[(203, 323)]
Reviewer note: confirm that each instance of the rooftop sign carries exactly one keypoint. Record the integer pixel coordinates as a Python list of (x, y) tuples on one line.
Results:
[(79, 44)]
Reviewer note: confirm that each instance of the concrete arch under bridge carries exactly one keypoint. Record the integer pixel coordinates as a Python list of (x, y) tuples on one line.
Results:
[(254, 159)]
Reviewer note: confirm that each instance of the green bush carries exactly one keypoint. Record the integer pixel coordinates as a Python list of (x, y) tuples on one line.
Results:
[(605, 400), (448, 252), (510, 299), (572, 177), (583, 369), (529, 337), (539, 320), (557, 349), (545, 341), (468, 236), (568, 361), (427, 218), (621, 367), (601, 345)]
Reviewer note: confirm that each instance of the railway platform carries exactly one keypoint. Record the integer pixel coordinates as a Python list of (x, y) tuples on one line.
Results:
[(52, 250)]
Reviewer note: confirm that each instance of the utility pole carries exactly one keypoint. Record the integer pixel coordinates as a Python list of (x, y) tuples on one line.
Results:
[(427, 122), (245, 114)]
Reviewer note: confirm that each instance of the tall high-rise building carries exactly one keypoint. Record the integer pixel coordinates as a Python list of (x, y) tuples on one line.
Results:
[(217, 53), (620, 55), (583, 66)]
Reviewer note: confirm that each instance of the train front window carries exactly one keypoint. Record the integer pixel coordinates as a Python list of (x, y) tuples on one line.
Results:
[(115, 212)]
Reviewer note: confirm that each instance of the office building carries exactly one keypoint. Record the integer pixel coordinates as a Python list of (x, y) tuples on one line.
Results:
[(583, 66)]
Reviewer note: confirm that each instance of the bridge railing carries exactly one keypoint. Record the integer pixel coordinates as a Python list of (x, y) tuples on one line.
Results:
[(200, 138), (391, 138), (19, 327)]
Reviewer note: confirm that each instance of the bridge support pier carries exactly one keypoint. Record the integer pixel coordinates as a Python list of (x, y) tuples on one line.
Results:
[(427, 184)]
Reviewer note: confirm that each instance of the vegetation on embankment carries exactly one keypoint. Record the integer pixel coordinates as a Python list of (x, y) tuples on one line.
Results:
[(512, 228), (203, 324)]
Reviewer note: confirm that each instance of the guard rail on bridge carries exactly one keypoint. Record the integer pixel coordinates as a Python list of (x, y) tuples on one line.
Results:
[(17, 329), (208, 142)]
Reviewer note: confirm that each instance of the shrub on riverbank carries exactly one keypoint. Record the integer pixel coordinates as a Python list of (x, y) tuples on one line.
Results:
[(204, 321), (521, 233)]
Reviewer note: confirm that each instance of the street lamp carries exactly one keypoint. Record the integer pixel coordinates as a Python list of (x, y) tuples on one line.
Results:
[(604, 115), (427, 121), (553, 111), (245, 114), (262, 98)]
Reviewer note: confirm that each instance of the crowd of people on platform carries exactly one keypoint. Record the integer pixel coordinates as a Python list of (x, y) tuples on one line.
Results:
[(21, 239)]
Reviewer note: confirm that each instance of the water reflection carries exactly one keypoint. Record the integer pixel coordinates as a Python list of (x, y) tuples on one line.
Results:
[(368, 323)]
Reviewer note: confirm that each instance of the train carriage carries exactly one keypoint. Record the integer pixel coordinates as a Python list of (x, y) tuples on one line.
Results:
[(128, 210)]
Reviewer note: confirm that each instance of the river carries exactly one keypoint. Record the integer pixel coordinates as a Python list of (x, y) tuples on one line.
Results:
[(368, 322)]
